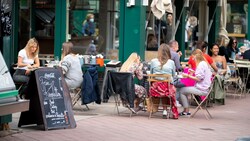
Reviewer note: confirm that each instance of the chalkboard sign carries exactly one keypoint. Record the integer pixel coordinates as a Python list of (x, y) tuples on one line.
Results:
[(50, 89), (50, 102)]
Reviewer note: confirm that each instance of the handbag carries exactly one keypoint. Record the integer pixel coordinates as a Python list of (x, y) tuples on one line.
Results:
[(152, 104)]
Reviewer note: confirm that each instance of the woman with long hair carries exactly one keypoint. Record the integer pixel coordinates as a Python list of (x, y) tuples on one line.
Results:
[(220, 61), (27, 60), (164, 65), (202, 77), (232, 48), (134, 65), (71, 66)]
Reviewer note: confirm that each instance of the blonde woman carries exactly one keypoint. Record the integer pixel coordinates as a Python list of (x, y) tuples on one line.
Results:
[(88, 26), (27, 60), (71, 66), (133, 65), (202, 77)]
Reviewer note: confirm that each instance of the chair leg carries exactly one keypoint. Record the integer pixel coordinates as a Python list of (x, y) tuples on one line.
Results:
[(87, 106), (170, 108), (199, 107), (151, 107), (116, 103)]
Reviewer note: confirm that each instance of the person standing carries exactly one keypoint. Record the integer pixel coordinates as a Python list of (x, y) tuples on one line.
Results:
[(88, 26), (169, 27)]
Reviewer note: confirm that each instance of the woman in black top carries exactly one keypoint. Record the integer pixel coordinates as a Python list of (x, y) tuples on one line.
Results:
[(232, 48), (223, 48)]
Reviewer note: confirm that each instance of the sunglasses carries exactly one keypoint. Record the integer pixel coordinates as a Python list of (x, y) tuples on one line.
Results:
[(235, 42)]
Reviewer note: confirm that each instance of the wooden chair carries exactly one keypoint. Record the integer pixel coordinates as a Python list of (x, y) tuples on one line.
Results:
[(159, 78)]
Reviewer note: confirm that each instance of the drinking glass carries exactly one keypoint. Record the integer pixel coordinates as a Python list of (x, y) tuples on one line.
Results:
[(48, 59), (56, 60)]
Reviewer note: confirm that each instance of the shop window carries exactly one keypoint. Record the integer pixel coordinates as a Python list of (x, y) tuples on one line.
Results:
[(44, 19), (237, 18), (78, 11)]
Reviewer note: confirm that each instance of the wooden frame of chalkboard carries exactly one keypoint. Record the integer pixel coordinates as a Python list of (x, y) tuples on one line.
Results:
[(50, 102)]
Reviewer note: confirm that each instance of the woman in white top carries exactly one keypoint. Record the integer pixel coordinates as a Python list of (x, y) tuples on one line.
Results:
[(27, 60), (71, 66)]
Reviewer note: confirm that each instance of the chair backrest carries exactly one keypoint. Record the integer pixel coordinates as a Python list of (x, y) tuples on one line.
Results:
[(210, 90), (159, 78), (121, 80), (242, 64), (122, 83)]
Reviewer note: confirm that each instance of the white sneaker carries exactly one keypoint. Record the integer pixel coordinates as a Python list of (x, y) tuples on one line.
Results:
[(164, 114), (178, 104)]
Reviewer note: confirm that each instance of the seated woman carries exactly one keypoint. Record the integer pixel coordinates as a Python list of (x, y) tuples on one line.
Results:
[(27, 60), (220, 61), (164, 65), (202, 77), (232, 48), (133, 65), (222, 74), (71, 66)]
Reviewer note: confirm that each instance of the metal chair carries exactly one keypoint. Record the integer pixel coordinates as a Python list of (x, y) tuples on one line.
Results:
[(244, 71), (122, 84), (76, 96), (233, 85), (152, 78), (203, 104)]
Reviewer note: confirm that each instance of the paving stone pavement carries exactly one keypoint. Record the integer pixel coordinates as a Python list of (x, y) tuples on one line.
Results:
[(101, 123)]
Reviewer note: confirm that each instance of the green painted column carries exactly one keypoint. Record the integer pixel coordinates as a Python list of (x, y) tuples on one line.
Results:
[(248, 22), (32, 18), (214, 30), (132, 29), (60, 26), (180, 33), (15, 20)]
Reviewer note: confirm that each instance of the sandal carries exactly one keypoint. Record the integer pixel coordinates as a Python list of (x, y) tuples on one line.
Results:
[(184, 114)]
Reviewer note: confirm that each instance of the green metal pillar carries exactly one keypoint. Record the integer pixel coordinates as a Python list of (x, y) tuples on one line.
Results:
[(60, 26), (15, 20), (180, 33), (215, 10), (32, 18), (132, 29), (248, 22)]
